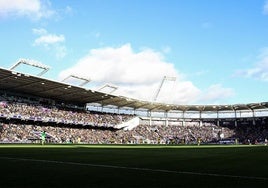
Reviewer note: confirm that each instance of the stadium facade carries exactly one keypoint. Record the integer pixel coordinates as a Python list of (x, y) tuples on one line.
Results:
[(32, 104), (82, 97)]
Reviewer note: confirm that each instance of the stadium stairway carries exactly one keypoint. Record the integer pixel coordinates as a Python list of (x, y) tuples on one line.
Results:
[(130, 124)]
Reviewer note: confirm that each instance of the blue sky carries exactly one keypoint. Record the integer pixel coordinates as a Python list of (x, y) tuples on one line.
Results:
[(216, 50)]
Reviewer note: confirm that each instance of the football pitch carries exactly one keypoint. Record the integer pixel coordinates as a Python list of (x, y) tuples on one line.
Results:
[(33, 165)]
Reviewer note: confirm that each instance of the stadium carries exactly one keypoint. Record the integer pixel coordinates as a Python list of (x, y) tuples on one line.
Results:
[(124, 142)]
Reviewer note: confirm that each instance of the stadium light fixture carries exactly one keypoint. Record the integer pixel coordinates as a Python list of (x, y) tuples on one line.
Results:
[(32, 63), (112, 88), (85, 80), (165, 78)]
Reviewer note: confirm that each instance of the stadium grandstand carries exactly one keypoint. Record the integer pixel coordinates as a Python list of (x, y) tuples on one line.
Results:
[(69, 113)]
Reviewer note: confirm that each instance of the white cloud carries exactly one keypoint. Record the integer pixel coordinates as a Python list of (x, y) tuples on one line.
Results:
[(138, 75), (121, 65), (39, 31), (260, 70), (265, 7), (34, 9), (50, 41), (214, 94)]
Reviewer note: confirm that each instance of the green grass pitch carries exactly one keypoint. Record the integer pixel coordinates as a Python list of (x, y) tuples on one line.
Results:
[(133, 166)]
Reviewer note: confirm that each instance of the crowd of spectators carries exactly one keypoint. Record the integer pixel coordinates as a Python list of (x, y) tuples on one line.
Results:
[(22, 133), (61, 126), (142, 134), (252, 134), (37, 112), (179, 134)]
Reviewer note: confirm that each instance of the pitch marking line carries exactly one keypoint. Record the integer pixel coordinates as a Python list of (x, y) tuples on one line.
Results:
[(135, 168)]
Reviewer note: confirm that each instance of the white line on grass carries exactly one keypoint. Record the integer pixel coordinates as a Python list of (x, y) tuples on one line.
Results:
[(135, 168)]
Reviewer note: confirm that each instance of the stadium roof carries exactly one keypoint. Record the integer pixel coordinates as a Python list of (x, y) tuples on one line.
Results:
[(34, 85)]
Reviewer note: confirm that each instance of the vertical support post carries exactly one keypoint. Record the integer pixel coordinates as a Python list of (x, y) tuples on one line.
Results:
[(166, 118), (253, 116), (183, 118), (218, 121), (236, 118)]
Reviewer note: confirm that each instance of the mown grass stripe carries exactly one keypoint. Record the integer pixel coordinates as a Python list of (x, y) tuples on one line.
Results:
[(134, 168)]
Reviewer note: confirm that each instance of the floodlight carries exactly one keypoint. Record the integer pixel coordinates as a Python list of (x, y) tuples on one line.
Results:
[(165, 78), (85, 80), (32, 63), (112, 87)]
